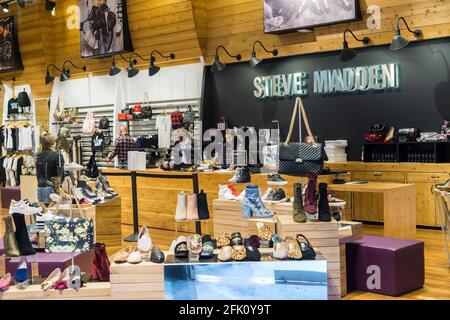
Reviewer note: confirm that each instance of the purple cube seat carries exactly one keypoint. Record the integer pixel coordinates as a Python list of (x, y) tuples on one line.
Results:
[(8, 194), (50, 261), (385, 265)]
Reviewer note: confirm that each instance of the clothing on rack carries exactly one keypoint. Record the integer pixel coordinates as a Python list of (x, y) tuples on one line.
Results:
[(123, 144), (18, 138), (164, 126), (147, 142), (11, 170)]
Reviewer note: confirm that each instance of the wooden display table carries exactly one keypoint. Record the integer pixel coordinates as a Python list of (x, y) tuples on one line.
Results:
[(143, 281), (228, 219), (399, 205), (92, 291), (324, 237)]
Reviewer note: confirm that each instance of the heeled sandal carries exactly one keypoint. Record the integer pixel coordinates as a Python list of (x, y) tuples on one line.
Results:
[(52, 279)]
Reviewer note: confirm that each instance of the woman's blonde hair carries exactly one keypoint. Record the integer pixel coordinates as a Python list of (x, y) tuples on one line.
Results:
[(47, 141)]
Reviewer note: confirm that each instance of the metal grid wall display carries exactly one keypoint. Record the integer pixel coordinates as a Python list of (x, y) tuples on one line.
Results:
[(76, 130)]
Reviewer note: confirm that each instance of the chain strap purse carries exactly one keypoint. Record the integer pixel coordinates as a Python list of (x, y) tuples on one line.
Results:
[(300, 158)]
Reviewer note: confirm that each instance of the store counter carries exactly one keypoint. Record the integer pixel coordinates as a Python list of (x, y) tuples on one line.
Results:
[(157, 196)]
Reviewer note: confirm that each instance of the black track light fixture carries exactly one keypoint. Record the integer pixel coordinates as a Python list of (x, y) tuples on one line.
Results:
[(5, 7), (65, 73), (219, 65), (50, 6), (399, 42), (49, 78), (154, 69), (347, 53), (254, 61)]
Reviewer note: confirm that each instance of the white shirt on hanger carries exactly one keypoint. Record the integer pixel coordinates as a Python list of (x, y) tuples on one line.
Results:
[(164, 126)]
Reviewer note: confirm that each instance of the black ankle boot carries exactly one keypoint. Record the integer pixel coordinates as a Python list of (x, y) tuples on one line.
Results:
[(23, 240), (202, 203), (324, 207)]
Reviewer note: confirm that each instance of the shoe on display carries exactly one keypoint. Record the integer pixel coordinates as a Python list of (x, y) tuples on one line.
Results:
[(122, 255), (5, 282), (22, 237), (100, 263), (135, 257), (23, 207), (336, 216), (223, 240), (181, 248), (241, 175), (324, 207), (252, 253), (106, 186), (181, 210), (157, 256), (311, 195), (266, 194), (238, 253), (234, 192), (276, 180), (443, 186), (277, 196), (236, 239), (22, 274), (9, 239), (225, 193), (63, 282), (225, 254), (202, 202), (298, 209), (207, 250), (254, 241), (192, 207), (280, 250), (73, 167), (293, 249), (252, 204), (241, 196), (75, 278), (87, 190)]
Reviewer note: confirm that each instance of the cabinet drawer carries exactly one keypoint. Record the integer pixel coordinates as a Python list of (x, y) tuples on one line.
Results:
[(428, 177), (378, 176)]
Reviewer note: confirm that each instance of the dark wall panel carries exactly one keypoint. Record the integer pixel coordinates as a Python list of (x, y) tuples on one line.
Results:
[(423, 99)]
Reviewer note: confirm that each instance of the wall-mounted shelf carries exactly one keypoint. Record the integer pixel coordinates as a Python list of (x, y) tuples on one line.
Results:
[(422, 152)]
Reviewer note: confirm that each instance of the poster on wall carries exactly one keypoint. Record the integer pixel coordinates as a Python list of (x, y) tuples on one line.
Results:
[(10, 58), (283, 16), (104, 28)]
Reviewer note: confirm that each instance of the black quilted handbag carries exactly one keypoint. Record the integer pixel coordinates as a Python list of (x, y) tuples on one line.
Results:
[(300, 158)]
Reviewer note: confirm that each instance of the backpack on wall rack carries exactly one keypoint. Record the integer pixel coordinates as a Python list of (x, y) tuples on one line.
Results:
[(104, 123), (189, 115), (89, 124)]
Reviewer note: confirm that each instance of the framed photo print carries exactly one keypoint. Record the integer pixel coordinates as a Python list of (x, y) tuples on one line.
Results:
[(10, 58), (283, 16), (104, 28)]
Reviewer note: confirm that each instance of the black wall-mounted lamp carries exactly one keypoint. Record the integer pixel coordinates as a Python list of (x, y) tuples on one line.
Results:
[(254, 61), (49, 78), (65, 73), (132, 71), (114, 70), (154, 69), (219, 65), (50, 6), (399, 42), (347, 53)]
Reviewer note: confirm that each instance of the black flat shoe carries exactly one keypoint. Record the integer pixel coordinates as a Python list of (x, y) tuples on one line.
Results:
[(181, 250), (207, 250), (157, 256)]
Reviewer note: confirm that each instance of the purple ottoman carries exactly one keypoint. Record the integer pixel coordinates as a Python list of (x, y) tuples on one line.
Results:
[(385, 265), (8, 194), (2, 248), (50, 261)]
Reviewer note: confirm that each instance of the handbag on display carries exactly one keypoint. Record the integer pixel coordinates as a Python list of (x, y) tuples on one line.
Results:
[(376, 134), (130, 114), (307, 249), (176, 118), (189, 116), (64, 140), (408, 135), (300, 158), (137, 109), (89, 124), (69, 234), (104, 123), (122, 116), (58, 114), (92, 168)]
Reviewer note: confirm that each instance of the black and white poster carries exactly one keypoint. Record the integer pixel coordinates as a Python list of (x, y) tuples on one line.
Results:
[(104, 28), (281, 16), (10, 58)]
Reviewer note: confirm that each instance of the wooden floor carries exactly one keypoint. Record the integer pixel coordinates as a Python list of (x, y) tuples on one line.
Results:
[(437, 269)]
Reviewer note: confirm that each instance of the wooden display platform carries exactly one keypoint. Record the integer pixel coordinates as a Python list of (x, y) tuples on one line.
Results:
[(324, 237), (143, 281), (228, 218), (92, 291)]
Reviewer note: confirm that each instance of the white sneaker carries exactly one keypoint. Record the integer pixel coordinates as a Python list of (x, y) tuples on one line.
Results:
[(23, 208), (225, 193), (181, 212), (73, 167), (266, 194), (241, 196)]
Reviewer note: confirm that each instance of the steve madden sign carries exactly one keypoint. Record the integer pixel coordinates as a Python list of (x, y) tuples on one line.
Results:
[(377, 77)]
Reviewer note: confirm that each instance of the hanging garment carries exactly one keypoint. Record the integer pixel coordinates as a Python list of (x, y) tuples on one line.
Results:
[(163, 125), (25, 138)]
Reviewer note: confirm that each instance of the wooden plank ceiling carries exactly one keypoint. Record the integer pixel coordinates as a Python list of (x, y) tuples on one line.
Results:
[(194, 28)]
